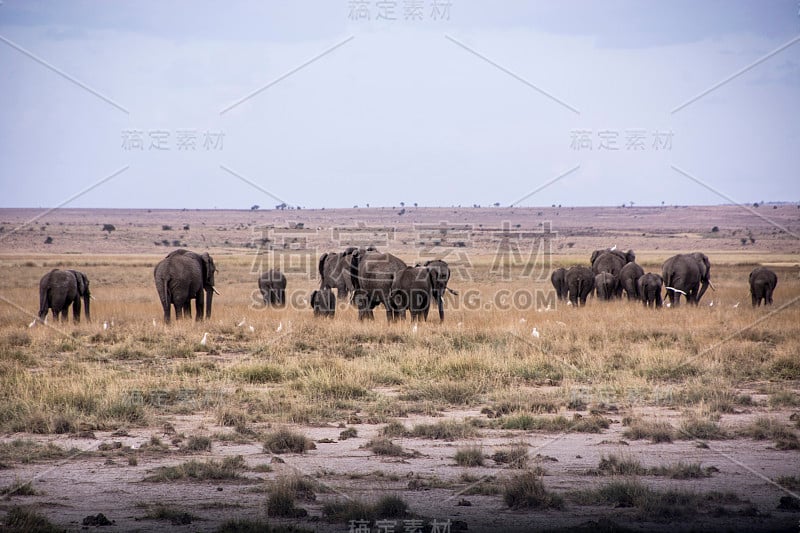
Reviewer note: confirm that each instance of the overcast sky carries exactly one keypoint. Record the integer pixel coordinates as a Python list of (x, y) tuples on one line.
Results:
[(334, 103)]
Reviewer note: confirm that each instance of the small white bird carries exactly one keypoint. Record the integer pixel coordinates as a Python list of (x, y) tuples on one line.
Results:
[(252, 329), (112, 322), (711, 303), (569, 302), (522, 320), (204, 340), (668, 304), (535, 333), (154, 323), (460, 324), (32, 323), (105, 326), (736, 305), (414, 329), (548, 308), (613, 247), (242, 323), (280, 327)]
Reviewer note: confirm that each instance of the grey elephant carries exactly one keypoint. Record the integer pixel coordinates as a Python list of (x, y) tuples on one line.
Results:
[(60, 289), (628, 276), (611, 260), (559, 280), (412, 290), (649, 288), (334, 270), (687, 274), (762, 283), (606, 285), (323, 301), (272, 285), (181, 277), (441, 277), (580, 284), (372, 274)]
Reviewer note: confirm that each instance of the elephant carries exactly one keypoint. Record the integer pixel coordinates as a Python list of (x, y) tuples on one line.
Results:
[(559, 280), (412, 290), (611, 260), (180, 278), (323, 302), (628, 276), (580, 284), (272, 285), (58, 289), (649, 288), (684, 274), (441, 277), (372, 274), (762, 282), (334, 270), (606, 285)]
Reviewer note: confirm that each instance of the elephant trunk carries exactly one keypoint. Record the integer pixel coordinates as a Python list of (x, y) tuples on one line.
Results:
[(209, 298), (86, 299)]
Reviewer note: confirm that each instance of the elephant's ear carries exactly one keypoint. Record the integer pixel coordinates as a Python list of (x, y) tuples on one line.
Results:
[(630, 256), (85, 283), (594, 255), (314, 296), (82, 282), (208, 268)]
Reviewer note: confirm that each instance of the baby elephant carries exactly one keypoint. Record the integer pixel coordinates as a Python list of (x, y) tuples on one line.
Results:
[(60, 289), (649, 287), (606, 285), (762, 282), (324, 303), (272, 285)]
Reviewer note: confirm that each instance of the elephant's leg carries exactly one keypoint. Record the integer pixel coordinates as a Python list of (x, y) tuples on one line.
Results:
[(768, 297), (76, 311), (755, 300), (64, 313)]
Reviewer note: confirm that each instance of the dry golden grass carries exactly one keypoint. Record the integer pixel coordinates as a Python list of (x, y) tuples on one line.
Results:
[(69, 377)]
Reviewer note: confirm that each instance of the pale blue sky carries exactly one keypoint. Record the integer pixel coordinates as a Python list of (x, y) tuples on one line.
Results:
[(483, 106)]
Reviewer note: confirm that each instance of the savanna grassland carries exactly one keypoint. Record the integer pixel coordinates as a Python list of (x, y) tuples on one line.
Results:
[(613, 417)]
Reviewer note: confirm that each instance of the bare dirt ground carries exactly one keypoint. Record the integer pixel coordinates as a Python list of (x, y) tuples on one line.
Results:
[(98, 477)]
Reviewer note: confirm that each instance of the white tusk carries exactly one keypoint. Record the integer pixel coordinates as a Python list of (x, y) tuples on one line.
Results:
[(712, 285), (675, 290), (215, 291), (91, 297)]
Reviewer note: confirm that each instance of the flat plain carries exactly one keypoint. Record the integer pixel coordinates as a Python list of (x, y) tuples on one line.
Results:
[(615, 417)]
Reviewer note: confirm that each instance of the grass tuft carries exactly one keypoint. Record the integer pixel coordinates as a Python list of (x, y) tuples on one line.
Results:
[(527, 491), (285, 441)]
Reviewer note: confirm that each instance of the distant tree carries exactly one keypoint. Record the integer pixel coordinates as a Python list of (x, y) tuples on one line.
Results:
[(48, 240), (755, 204), (496, 204), (109, 228), (165, 227), (281, 206), (402, 204), (254, 207), (402, 211), (715, 229), (744, 240), (415, 204), (186, 227)]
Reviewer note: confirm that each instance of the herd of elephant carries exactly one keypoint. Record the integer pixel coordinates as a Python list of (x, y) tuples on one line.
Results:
[(377, 278), (373, 278), (613, 271)]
